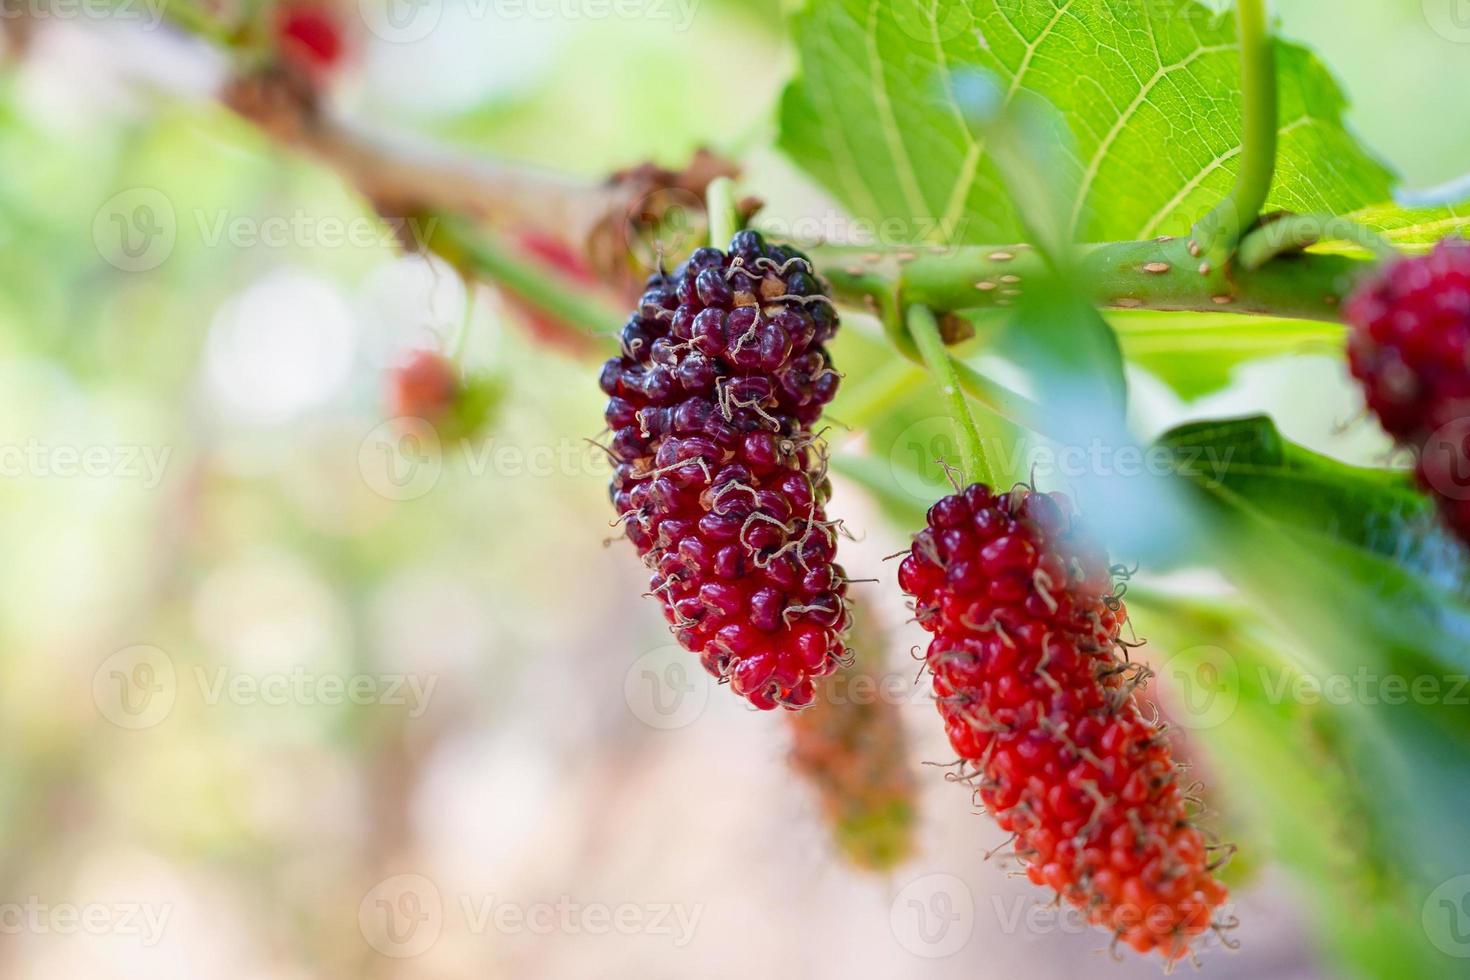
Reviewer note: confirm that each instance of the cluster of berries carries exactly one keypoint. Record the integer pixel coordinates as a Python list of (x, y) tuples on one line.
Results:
[(1410, 348), (1038, 698), (719, 477)]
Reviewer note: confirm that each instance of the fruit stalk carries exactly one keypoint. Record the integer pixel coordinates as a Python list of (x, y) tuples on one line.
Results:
[(924, 329), (1219, 232)]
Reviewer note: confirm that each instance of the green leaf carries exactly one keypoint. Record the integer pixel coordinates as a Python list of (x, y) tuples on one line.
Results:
[(1301, 794), (1376, 512), (1149, 91), (1349, 564), (1409, 227), (1195, 353)]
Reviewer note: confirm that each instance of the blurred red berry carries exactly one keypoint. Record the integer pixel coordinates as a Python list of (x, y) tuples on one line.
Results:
[(1038, 701), (424, 387), (309, 36), (1409, 346)]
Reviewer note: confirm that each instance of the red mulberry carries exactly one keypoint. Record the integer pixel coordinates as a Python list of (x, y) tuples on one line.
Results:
[(310, 37), (718, 476), (1409, 347), (1041, 709)]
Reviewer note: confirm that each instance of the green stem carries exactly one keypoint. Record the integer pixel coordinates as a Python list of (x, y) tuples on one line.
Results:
[(1161, 274), (1295, 232), (1219, 232), (924, 328), (719, 204), (999, 399), (465, 245)]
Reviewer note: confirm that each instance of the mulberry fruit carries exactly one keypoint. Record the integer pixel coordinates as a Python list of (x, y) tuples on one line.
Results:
[(1409, 346), (429, 386), (309, 37), (851, 747), (718, 476), (1040, 707)]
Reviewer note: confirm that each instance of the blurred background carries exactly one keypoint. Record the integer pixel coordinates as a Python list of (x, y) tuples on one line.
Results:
[(275, 704)]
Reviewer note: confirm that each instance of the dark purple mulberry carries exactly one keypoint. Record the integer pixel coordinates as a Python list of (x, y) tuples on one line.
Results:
[(719, 478)]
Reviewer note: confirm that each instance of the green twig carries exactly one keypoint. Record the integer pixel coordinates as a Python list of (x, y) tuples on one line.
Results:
[(468, 247), (719, 204), (998, 398), (1160, 274), (1219, 232), (974, 467), (1296, 232)]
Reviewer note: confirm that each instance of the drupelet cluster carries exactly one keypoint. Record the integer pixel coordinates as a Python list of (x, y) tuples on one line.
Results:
[(1037, 697), (1410, 348), (719, 477)]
